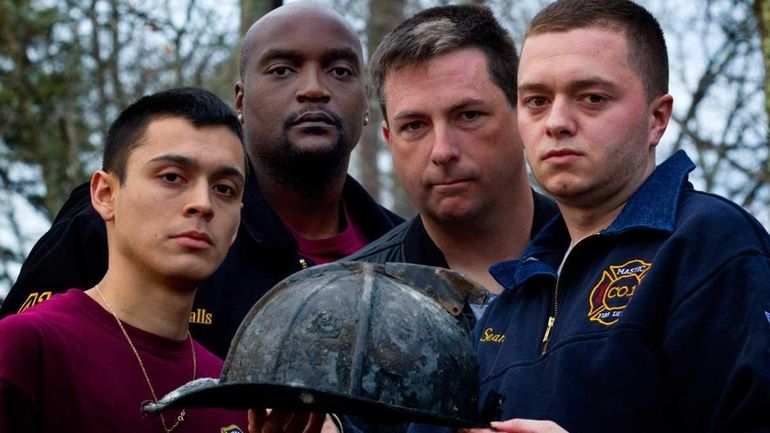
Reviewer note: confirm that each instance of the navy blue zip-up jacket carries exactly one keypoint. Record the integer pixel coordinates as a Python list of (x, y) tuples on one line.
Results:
[(73, 253), (662, 320)]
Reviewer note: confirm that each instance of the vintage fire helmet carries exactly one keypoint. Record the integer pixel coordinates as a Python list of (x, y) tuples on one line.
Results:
[(384, 342)]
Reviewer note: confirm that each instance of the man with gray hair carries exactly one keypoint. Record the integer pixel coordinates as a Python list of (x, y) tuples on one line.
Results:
[(445, 80)]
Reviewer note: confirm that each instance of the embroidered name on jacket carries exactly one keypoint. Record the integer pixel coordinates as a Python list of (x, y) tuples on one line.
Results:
[(201, 316), (611, 294), (491, 336)]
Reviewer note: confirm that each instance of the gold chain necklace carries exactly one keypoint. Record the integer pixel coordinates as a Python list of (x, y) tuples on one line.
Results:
[(180, 418)]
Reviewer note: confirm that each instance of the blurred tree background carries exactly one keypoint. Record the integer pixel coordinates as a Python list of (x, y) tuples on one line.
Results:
[(67, 67)]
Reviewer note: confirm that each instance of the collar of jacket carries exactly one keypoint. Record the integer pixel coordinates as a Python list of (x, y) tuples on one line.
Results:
[(266, 228), (653, 206), (420, 248)]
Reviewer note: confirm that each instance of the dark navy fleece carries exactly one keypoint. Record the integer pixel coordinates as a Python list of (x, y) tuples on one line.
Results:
[(661, 320)]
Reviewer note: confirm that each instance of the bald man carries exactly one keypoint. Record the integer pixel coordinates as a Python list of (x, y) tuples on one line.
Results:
[(301, 99)]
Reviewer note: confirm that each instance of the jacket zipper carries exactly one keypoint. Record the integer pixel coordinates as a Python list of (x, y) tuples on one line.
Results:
[(552, 317), (303, 263)]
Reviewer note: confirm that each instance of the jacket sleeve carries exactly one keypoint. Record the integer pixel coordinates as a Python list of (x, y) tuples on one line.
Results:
[(73, 253), (717, 341)]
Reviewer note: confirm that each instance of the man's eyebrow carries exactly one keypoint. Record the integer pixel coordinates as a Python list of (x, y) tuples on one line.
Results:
[(230, 171), (592, 82), (461, 105), (572, 86), (346, 53), (183, 161), (467, 103), (408, 114), (176, 159), (531, 87), (279, 53), (329, 55)]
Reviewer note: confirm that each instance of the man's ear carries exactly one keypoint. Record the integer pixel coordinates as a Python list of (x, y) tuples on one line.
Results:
[(660, 113), (239, 96), (104, 187), (386, 132)]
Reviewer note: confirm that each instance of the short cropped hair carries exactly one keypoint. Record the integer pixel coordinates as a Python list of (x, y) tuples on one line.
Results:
[(646, 44), (199, 106), (442, 29)]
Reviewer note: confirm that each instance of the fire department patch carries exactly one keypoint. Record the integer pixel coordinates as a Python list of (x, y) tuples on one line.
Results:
[(611, 295)]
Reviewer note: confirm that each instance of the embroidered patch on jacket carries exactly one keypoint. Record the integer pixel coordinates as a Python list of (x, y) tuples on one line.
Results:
[(231, 429), (611, 294), (767, 315), (33, 299)]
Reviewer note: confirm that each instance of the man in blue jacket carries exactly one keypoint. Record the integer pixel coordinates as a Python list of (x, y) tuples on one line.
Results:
[(645, 306), (302, 101)]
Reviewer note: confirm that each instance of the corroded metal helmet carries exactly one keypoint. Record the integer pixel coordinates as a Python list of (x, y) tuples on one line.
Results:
[(363, 339)]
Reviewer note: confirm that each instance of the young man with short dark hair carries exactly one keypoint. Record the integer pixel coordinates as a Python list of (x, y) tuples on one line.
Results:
[(170, 196)]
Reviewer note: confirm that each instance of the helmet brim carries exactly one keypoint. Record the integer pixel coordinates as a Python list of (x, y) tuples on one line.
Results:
[(209, 392)]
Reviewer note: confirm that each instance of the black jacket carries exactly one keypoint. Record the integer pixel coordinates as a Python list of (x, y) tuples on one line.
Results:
[(410, 243), (73, 253)]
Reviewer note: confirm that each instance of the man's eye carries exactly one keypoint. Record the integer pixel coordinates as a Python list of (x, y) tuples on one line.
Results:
[(412, 126), (280, 71), (172, 177), (470, 115), (535, 102), (595, 99), (226, 190), (340, 71)]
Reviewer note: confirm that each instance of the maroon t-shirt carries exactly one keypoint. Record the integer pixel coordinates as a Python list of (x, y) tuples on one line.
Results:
[(327, 250), (65, 366)]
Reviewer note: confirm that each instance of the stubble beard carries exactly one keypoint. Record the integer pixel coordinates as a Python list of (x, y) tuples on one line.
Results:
[(605, 187), (309, 173)]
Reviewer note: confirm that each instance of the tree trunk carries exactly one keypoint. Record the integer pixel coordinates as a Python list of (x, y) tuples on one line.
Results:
[(762, 16), (384, 15), (252, 10)]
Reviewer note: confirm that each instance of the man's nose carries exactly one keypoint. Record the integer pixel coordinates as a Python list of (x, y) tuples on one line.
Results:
[(560, 121), (446, 148), (199, 201), (312, 85)]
